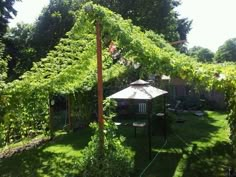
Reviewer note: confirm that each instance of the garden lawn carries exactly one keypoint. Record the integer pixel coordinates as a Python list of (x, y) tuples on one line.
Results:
[(57, 158), (199, 147)]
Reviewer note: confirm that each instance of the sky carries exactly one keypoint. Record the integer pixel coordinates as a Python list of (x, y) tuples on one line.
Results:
[(28, 11), (213, 20)]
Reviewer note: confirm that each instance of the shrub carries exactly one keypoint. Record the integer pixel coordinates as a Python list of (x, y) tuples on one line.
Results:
[(113, 160)]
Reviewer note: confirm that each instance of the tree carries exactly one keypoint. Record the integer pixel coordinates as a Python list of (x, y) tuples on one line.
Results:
[(3, 65), (6, 12), (53, 23), (184, 27), (202, 54), (158, 16), (3, 76), (28, 43), (226, 52), (18, 42)]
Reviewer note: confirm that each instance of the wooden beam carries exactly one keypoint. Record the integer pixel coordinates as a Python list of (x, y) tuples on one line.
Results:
[(100, 83), (165, 117), (178, 42), (150, 129)]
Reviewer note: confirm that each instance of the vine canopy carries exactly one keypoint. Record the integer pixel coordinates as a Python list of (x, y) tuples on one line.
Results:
[(71, 66)]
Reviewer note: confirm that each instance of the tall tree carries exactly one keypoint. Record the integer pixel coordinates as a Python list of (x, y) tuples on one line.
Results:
[(226, 52), (3, 75), (27, 43), (158, 16), (18, 42), (201, 54), (54, 21), (6, 12), (3, 65), (183, 28)]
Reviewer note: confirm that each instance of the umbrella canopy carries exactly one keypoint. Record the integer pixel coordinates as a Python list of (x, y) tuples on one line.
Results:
[(139, 90)]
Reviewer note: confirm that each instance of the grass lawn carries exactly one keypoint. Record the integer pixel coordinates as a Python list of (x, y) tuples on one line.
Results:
[(199, 147), (56, 158)]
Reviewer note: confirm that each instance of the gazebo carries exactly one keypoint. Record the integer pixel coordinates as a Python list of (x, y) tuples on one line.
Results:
[(142, 90)]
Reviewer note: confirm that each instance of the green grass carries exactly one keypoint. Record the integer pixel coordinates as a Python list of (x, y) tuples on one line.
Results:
[(199, 147), (57, 158)]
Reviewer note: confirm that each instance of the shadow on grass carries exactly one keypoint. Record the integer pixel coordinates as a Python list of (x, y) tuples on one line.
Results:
[(77, 140), (38, 163), (213, 161), (208, 133), (57, 158), (165, 166)]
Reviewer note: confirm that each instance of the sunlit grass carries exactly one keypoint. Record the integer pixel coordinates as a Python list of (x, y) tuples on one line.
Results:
[(57, 158)]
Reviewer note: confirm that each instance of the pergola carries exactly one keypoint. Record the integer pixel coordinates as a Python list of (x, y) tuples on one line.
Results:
[(142, 90)]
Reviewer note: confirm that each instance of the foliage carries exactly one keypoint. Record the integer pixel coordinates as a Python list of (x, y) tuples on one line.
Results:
[(226, 52), (26, 43), (159, 16), (86, 106), (6, 12), (72, 65), (58, 18), (53, 23), (3, 75), (54, 77), (184, 27), (201, 54), (24, 118), (3, 65), (159, 41), (18, 42), (114, 159)]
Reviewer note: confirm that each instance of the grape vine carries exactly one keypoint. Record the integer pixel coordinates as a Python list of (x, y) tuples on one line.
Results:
[(71, 66)]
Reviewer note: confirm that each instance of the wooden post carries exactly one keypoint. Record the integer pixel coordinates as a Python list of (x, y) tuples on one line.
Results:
[(150, 129), (69, 111), (100, 83), (165, 117), (50, 116)]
